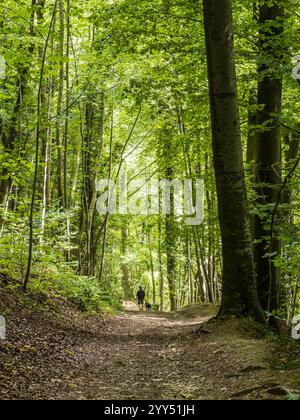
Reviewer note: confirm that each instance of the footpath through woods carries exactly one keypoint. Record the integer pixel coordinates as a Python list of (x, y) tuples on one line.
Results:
[(52, 355)]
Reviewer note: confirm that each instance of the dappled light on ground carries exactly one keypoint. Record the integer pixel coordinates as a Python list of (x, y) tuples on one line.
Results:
[(135, 355)]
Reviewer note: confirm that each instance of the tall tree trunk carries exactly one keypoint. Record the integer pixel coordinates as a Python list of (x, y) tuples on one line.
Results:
[(200, 266), (67, 116), (86, 129), (37, 152), (66, 130), (151, 265), (106, 217), (171, 239), (288, 219), (46, 149), (92, 201), (190, 279), (58, 136), (239, 288), (268, 152), (128, 295), (160, 262)]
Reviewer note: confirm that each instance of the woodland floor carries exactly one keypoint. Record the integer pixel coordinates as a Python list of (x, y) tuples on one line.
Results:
[(59, 354)]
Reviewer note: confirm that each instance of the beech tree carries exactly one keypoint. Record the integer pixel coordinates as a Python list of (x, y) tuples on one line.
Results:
[(239, 286), (268, 150)]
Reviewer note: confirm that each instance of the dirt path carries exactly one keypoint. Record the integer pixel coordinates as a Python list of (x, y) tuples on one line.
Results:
[(133, 356), (154, 356), (142, 356)]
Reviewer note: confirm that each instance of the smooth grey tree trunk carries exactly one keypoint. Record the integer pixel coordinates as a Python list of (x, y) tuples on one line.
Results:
[(239, 287)]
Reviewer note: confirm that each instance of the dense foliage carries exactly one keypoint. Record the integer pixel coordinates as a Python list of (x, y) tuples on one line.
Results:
[(92, 88)]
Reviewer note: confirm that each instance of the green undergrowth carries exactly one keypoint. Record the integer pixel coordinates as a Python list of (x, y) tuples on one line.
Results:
[(83, 292), (52, 278)]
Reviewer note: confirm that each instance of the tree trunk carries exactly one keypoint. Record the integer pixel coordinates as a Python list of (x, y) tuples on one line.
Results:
[(58, 137), (106, 217), (151, 266), (92, 201), (160, 262), (171, 247), (268, 153), (37, 152), (239, 288), (128, 295), (46, 149), (200, 266)]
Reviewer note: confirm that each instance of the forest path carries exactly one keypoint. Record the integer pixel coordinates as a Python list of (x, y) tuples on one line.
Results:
[(154, 356), (62, 354), (146, 356)]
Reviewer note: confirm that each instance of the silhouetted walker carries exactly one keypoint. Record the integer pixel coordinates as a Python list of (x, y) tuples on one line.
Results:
[(140, 297)]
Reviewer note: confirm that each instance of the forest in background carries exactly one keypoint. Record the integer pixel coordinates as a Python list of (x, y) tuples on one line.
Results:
[(91, 88)]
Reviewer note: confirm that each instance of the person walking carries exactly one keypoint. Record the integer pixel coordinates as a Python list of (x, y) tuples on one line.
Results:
[(140, 297)]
